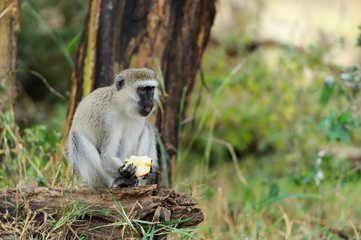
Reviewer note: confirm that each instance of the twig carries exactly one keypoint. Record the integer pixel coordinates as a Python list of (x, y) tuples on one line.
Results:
[(354, 228), (234, 158)]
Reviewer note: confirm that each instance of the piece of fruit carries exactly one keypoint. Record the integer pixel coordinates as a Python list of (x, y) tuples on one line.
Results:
[(142, 164)]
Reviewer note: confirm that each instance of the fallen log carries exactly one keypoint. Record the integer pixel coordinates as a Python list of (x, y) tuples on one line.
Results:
[(107, 214)]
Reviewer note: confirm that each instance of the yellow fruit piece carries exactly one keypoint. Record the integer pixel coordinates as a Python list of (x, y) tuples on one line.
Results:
[(142, 164)]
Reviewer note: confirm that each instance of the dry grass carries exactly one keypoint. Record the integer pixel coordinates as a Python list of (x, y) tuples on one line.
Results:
[(20, 222), (236, 211)]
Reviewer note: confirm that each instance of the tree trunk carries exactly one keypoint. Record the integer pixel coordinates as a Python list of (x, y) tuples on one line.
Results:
[(66, 214), (9, 28), (134, 33)]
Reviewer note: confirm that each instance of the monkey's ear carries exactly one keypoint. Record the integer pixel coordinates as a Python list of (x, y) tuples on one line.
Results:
[(119, 82)]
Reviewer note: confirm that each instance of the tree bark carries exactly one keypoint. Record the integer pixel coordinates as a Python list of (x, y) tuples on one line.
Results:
[(9, 28), (134, 33), (145, 203)]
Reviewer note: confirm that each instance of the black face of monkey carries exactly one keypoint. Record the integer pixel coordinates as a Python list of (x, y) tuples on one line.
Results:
[(146, 102)]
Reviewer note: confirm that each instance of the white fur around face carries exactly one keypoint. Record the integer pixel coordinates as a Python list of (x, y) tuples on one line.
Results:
[(127, 98), (146, 83)]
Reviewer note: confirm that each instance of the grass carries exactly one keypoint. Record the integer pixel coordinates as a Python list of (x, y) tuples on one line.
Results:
[(19, 221), (39, 224), (277, 189), (30, 156), (275, 206), (249, 150), (268, 112), (273, 192)]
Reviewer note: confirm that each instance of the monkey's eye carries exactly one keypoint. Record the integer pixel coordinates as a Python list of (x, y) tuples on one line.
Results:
[(151, 89), (141, 90)]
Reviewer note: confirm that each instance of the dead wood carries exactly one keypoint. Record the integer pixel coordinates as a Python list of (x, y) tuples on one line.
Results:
[(9, 29), (84, 209)]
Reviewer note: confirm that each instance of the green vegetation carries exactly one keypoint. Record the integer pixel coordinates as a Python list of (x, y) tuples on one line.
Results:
[(293, 120), (269, 146)]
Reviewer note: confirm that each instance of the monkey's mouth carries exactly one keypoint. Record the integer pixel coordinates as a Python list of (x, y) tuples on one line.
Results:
[(145, 111)]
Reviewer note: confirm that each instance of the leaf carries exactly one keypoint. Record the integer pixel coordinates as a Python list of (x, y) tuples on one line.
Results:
[(333, 133), (339, 132), (273, 191), (41, 181), (72, 43), (326, 93), (287, 196), (324, 123), (345, 118), (352, 69), (345, 135)]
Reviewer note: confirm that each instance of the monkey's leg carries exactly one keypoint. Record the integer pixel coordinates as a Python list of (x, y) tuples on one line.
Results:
[(87, 160)]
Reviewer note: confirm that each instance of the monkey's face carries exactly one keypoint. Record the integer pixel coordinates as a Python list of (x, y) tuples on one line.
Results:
[(146, 100), (137, 89)]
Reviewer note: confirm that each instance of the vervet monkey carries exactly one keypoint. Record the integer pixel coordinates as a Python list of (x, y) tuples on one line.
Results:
[(109, 125)]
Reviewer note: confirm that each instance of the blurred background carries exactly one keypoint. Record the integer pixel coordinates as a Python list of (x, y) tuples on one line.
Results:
[(270, 143)]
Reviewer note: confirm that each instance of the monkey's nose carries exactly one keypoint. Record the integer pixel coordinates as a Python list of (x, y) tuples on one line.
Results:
[(148, 109)]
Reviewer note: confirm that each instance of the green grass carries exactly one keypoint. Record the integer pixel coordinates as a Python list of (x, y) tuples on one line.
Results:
[(267, 111), (249, 146), (273, 205), (249, 158)]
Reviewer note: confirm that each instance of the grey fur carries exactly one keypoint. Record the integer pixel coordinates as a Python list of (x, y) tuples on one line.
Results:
[(106, 129)]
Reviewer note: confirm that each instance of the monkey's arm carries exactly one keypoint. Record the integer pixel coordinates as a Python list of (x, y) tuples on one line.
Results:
[(113, 165), (124, 177), (109, 160), (108, 147)]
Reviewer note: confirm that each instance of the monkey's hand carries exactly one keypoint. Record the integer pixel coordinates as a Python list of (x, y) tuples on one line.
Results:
[(150, 174), (127, 177)]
